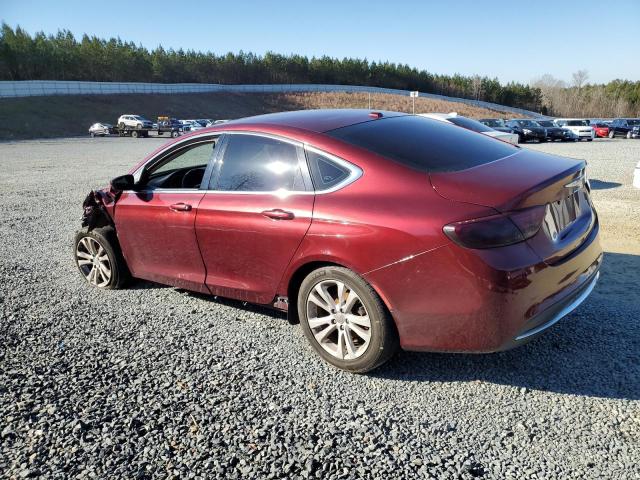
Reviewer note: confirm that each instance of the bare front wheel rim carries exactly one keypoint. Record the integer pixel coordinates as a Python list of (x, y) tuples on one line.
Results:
[(338, 319), (93, 261)]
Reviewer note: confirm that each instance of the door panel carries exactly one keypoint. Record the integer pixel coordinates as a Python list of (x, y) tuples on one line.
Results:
[(245, 250), (249, 228), (157, 236)]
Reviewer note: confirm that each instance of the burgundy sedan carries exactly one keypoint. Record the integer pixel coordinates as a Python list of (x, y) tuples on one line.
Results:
[(374, 230)]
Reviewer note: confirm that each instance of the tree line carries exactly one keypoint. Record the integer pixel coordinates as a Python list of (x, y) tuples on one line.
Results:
[(63, 57), (618, 98)]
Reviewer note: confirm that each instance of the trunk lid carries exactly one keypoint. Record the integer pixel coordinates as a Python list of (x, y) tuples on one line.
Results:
[(528, 179)]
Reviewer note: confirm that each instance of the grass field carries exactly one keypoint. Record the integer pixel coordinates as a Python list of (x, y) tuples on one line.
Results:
[(64, 116)]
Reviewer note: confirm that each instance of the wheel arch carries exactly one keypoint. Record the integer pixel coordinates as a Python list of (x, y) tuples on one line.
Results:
[(298, 275)]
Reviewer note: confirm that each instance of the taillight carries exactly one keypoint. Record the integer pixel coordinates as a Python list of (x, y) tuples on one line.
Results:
[(497, 230)]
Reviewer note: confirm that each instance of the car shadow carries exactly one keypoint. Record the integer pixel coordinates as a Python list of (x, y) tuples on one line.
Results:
[(595, 351), (139, 284), (603, 185)]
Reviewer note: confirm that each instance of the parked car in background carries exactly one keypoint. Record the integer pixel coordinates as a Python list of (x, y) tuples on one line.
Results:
[(555, 132), (192, 125), (527, 129), (100, 129), (497, 124), (372, 229), (625, 127), (579, 126), (473, 125), (600, 129), (134, 121)]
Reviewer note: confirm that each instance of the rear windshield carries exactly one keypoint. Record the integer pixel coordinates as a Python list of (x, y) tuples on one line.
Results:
[(424, 144), (470, 124), (545, 123)]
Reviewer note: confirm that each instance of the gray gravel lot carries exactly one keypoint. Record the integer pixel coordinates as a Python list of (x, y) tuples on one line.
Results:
[(156, 382)]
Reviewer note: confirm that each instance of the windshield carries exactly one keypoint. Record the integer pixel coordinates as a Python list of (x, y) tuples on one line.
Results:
[(528, 123), (545, 123), (470, 124), (493, 122), (138, 117), (577, 123), (633, 121), (424, 144)]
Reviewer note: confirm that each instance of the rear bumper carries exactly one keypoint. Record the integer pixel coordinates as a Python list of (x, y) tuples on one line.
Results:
[(538, 324), (459, 300)]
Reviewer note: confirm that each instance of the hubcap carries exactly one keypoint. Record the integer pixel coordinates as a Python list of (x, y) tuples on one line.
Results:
[(338, 319), (93, 262)]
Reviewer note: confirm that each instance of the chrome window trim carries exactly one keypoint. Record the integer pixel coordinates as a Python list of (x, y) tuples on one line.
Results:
[(355, 171)]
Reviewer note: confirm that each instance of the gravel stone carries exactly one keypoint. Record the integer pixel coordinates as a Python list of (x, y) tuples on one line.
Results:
[(155, 382)]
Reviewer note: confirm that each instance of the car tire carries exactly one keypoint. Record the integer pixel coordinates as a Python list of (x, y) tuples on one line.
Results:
[(360, 334), (99, 259), (139, 126), (134, 134), (174, 134), (589, 139), (612, 134), (92, 134), (628, 135), (121, 126)]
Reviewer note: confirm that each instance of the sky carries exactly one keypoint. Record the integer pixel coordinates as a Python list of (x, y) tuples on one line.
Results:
[(513, 41)]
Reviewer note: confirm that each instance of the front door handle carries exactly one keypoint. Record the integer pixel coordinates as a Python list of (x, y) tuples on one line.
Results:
[(278, 214), (180, 207)]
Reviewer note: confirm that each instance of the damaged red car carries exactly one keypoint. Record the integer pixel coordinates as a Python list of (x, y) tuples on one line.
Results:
[(374, 230)]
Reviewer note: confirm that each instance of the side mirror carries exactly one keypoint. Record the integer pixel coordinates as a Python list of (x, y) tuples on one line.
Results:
[(123, 182)]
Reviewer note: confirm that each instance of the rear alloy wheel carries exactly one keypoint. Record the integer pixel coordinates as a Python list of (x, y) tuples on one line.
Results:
[(611, 134), (99, 260), (345, 320), (134, 134), (628, 134)]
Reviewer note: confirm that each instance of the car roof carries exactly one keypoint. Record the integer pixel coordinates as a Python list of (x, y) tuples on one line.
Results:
[(319, 121)]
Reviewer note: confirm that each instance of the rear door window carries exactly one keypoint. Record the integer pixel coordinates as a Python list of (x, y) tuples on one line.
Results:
[(424, 144)]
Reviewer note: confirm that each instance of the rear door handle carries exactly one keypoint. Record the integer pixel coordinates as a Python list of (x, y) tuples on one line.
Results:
[(278, 214), (180, 207)]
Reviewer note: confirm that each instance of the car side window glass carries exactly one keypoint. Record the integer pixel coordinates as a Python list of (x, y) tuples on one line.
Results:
[(182, 169), (325, 172), (253, 163)]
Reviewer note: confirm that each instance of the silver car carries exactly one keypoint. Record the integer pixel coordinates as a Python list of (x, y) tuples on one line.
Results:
[(100, 129)]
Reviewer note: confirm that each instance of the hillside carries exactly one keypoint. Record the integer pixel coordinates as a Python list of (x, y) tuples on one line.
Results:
[(64, 116)]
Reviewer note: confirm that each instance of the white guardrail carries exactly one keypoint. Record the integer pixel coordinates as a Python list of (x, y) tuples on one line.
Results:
[(36, 88)]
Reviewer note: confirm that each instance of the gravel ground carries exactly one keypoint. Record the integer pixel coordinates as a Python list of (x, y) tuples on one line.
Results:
[(156, 382)]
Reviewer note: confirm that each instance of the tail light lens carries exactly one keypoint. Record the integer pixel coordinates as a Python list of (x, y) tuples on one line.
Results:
[(497, 230)]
